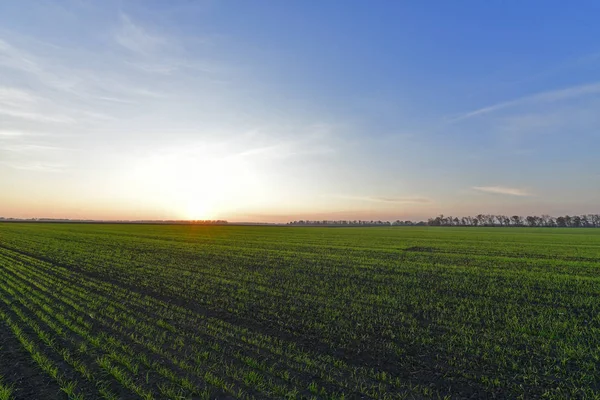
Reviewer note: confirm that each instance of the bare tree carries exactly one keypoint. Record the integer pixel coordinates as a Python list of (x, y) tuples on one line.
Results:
[(517, 220), (577, 221), (500, 219)]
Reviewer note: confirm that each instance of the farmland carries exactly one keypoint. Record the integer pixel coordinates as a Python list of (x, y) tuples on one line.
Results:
[(92, 311)]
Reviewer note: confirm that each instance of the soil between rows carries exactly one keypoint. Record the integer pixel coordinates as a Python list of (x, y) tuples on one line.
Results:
[(22, 373)]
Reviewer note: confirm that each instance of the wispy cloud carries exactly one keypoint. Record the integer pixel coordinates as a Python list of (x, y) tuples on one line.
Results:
[(135, 38), (14, 96), (156, 53), (415, 200), (11, 134), (544, 97), (21, 104), (18, 103), (36, 116), (67, 76), (288, 149), (33, 156), (384, 199), (114, 100), (12, 57), (21, 60), (36, 166), (282, 141), (279, 148), (154, 68), (502, 190), (28, 148)]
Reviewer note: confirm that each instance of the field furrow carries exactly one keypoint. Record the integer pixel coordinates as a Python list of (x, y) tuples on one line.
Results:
[(109, 311)]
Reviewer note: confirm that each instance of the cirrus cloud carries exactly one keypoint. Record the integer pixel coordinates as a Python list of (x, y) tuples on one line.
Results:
[(543, 97), (502, 190), (385, 199)]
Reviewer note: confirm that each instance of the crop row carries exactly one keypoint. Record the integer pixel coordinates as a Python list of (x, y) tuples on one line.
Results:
[(135, 340), (203, 312)]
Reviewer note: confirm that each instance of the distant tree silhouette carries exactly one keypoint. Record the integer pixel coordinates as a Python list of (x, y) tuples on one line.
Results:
[(577, 221)]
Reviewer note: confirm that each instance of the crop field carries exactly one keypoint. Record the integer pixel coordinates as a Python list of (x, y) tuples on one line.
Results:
[(202, 312)]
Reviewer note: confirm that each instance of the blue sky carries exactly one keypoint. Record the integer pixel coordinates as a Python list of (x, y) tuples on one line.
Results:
[(271, 111)]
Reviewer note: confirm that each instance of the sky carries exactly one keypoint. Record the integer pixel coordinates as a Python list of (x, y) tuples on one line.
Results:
[(273, 111)]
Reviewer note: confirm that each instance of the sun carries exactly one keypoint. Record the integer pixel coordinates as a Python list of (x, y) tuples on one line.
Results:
[(198, 209), (195, 184)]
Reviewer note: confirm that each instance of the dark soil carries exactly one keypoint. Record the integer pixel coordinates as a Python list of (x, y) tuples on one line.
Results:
[(22, 373)]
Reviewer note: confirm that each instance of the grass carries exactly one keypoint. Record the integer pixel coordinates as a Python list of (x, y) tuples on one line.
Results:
[(5, 391), (153, 311)]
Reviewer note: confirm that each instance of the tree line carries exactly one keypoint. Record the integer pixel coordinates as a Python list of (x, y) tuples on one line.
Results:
[(354, 223), (566, 221)]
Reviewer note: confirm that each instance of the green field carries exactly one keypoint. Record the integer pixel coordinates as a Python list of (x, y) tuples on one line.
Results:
[(163, 311)]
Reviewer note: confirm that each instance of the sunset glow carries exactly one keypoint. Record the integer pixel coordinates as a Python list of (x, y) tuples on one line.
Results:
[(140, 110)]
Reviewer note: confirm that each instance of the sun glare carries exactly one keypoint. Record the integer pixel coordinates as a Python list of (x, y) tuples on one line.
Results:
[(198, 209), (194, 184)]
